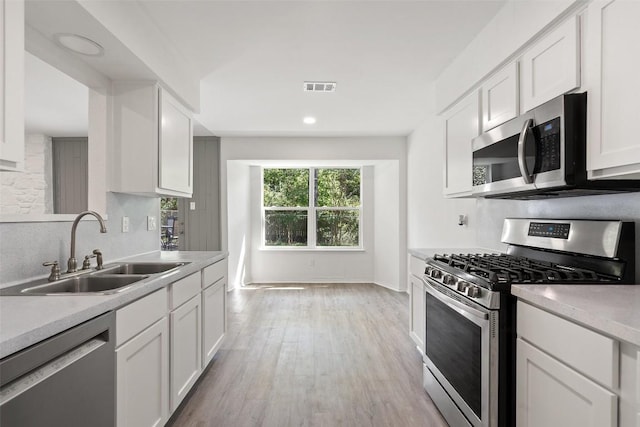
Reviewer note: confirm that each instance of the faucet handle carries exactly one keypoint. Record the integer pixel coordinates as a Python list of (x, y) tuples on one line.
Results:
[(86, 264), (55, 270), (98, 255)]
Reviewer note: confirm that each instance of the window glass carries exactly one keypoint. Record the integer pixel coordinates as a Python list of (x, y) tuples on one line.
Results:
[(286, 187), (328, 217), (337, 187), (285, 228), (338, 228)]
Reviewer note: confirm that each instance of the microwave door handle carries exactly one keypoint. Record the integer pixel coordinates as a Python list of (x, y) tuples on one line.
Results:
[(522, 145)]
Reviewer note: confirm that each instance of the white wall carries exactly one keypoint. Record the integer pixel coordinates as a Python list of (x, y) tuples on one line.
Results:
[(312, 266), (236, 228), (315, 266), (433, 220)]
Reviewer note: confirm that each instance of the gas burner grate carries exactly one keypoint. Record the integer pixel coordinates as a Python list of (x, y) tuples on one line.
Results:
[(507, 269)]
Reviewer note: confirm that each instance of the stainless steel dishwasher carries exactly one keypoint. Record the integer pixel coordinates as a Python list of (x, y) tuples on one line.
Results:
[(67, 380)]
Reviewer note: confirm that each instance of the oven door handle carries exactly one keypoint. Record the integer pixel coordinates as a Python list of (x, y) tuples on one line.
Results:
[(459, 307), (522, 148)]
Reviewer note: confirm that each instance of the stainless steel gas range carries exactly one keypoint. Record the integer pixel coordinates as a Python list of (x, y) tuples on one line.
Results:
[(469, 359)]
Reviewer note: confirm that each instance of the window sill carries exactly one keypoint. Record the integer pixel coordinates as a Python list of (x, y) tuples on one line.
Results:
[(306, 249)]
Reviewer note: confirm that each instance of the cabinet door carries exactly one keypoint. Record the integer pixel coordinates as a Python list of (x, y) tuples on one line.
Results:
[(186, 349), (613, 59), (552, 66), (548, 393), (175, 146), (417, 318), (461, 125), (143, 378), (11, 84), (214, 306), (500, 97)]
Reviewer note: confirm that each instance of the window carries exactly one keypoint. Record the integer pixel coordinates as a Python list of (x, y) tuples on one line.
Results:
[(311, 207)]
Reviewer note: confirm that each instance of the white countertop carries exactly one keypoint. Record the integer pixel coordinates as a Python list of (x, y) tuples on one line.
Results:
[(424, 253), (611, 309), (26, 320)]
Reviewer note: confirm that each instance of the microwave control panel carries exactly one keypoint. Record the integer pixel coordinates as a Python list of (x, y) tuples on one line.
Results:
[(548, 146), (549, 229)]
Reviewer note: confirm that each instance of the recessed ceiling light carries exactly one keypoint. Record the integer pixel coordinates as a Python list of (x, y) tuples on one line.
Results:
[(309, 120), (79, 44)]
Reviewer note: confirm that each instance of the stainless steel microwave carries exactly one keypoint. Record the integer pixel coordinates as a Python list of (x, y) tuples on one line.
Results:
[(540, 154)]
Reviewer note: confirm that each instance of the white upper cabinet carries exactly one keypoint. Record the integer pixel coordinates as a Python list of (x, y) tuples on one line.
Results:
[(11, 84), (153, 142), (500, 97), (461, 125), (551, 67), (612, 62)]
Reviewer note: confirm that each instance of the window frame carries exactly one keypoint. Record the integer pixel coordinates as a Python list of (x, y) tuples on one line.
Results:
[(311, 210)]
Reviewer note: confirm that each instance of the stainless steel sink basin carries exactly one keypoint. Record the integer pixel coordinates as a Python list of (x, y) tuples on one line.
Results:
[(110, 280), (142, 267), (90, 284)]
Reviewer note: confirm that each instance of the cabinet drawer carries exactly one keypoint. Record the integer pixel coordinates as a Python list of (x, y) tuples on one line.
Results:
[(213, 273), (185, 289), (586, 351), (135, 317)]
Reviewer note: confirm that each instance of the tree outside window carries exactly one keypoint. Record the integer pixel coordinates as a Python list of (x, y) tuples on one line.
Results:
[(314, 207)]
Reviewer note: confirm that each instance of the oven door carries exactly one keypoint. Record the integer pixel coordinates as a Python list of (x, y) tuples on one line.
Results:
[(461, 352)]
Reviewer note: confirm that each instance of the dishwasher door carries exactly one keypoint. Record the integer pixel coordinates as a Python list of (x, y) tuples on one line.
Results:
[(67, 380)]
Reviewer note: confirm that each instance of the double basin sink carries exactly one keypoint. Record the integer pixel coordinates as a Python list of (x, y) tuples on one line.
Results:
[(110, 280)]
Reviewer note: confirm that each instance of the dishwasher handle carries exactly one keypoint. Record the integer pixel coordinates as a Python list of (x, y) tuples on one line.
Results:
[(33, 378)]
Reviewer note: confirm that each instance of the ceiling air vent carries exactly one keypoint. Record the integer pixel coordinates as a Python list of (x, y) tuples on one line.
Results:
[(319, 86)]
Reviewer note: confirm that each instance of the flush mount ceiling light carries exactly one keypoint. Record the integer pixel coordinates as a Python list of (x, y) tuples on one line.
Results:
[(319, 86), (309, 120), (79, 44)]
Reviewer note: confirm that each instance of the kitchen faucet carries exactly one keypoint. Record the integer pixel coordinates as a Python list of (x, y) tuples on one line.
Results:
[(72, 264)]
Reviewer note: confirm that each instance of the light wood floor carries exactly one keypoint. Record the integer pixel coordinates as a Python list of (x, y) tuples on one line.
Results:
[(313, 355)]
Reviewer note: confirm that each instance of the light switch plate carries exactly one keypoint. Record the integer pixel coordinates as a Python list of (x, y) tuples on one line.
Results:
[(192, 206), (125, 224), (151, 223)]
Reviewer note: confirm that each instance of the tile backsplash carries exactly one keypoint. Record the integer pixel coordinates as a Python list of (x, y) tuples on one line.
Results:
[(25, 246), (491, 212)]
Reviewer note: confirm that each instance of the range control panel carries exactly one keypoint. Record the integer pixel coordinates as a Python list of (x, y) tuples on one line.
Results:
[(549, 229)]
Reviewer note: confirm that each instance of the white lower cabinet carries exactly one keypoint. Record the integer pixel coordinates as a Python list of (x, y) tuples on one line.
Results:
[(549, 393), (186, 347), (417, 319), (568, 375), (163, 343), (142, 362), (213, 319)]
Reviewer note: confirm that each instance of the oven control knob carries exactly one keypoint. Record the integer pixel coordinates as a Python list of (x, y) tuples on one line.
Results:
[(473, 291), (448, 279), (462, 286), (436, 274)]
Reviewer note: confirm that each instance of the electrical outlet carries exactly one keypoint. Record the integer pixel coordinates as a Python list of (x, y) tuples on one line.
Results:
[(125, 224), (192, 206), (151, 223)]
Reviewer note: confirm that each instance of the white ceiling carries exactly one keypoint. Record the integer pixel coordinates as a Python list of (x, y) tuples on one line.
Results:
[(253, 57)]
